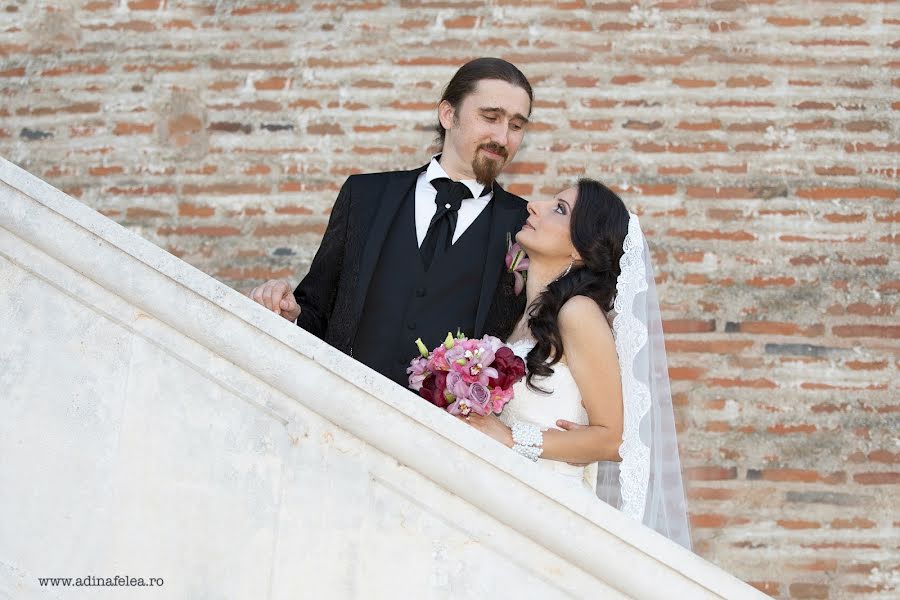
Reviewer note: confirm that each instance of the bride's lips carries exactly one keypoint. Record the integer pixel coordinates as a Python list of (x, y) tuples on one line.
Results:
[(527, 226)]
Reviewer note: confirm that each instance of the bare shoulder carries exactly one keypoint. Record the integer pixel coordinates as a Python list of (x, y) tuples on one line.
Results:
[(578, 309), (582, 318)]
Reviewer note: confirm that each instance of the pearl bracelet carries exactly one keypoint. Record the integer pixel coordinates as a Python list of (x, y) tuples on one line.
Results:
[(528, 440)]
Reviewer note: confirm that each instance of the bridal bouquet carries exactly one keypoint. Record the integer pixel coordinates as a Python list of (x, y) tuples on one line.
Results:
[(464, 376)]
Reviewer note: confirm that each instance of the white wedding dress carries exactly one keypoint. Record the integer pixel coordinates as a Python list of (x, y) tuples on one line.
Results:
[(543, 410), (646, 484)]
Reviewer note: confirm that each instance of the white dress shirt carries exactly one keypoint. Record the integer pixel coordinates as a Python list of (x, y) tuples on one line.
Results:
[(425, 206)]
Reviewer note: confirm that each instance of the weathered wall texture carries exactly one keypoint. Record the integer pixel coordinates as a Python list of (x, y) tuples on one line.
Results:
[(757, 138)]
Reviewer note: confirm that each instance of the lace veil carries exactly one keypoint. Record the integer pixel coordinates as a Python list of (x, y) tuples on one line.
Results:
[(646, 485)]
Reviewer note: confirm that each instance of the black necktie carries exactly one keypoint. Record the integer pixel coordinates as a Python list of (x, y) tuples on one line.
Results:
[(450, 195)]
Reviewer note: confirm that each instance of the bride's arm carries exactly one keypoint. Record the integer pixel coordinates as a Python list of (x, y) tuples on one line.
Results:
[(590, 352)]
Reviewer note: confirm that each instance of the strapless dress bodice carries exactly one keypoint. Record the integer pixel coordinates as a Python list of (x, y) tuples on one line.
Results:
[(563, 401)]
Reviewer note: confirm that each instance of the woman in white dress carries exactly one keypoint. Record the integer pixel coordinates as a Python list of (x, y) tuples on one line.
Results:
[(595, 406)]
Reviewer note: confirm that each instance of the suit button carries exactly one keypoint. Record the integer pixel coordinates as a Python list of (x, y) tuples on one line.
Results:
[(420, 292), (411, 325)]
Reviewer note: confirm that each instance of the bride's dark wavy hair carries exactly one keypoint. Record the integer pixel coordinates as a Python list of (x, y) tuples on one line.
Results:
[(598, 228)]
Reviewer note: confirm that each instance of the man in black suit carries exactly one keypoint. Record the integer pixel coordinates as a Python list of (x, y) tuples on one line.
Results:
[(415, 254)]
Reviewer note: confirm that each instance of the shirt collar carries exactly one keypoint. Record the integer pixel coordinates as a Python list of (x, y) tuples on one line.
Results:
[(435, 171)]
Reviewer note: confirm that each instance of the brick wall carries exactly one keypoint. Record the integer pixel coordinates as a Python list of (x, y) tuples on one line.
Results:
[(758, 139)]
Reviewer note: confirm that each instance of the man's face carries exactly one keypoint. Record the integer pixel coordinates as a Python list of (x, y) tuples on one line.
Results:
[(484, 135)]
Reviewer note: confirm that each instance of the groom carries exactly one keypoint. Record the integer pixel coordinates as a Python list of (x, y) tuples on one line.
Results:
[(415, 254)]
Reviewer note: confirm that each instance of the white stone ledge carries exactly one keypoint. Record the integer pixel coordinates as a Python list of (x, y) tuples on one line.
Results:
[(311, 391)]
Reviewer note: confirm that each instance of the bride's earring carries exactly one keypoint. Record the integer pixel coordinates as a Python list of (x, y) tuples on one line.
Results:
[(566, 272)]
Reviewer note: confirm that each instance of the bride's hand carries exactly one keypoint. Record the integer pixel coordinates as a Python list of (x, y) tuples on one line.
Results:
[(570, 426), (492, 426)]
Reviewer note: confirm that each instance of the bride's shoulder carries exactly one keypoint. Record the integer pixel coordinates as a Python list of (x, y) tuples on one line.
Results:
[(581, 307), (581, 315)]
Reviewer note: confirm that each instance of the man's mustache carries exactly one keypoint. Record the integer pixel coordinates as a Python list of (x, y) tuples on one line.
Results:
[(496, 149)]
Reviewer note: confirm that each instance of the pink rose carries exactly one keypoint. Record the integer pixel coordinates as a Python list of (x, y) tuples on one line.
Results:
[(480, 398)]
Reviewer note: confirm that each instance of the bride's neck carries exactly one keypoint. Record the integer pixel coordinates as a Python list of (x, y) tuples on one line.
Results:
[(540, 275)]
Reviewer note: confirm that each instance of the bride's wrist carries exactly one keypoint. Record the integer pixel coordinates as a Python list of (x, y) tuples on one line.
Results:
[(528, 440)]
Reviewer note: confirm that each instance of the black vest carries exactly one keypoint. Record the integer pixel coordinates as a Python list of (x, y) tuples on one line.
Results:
[(405, 302)]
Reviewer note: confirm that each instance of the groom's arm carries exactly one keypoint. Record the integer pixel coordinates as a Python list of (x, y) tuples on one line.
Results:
[(316, 292)]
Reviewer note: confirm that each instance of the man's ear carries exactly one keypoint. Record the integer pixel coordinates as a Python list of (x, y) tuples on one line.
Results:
[(446, 114)]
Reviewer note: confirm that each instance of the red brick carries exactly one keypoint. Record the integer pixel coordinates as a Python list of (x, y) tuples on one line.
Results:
[(877, 331), (821, 565), (275, 8), (704, 521), (288, 230), (133, 128), (463, 22), (688, 326), (225, 189), (877, 478), (521, 189), (760, 383), (709, 473), (797, 524), (685, 373), (809, 590), (136, 212), (695, 493), (735, 236), (144, 4), (782, 429), (752, 81), (592, 125), (693, 83), (884, 456), (854, 523), (186, 209), (779, 328), (101, 171), (842, 21), (771, 281), (626, 79), (575, 81), (825, 193), (707, 346), (701, 126), (211, 230), (272, 83)]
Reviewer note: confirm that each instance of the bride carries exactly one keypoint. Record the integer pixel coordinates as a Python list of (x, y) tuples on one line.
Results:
[(595, 405)]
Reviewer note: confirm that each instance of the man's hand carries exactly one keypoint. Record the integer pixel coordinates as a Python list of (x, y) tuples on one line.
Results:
[(570, 426), (277, 296)]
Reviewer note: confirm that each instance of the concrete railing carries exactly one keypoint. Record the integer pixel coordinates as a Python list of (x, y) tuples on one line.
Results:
[(155, 424)]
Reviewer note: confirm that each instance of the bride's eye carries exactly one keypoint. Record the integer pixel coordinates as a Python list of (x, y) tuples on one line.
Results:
[(561, 208)]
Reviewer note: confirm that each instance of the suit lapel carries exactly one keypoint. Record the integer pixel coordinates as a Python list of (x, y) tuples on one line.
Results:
[(507, 218), (392, 196)]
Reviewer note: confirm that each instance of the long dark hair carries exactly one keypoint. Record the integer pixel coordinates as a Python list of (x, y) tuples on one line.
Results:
[(598, 228), (467, 77)]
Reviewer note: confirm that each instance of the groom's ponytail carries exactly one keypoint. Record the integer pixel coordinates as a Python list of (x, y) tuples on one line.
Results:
[(598, 229)]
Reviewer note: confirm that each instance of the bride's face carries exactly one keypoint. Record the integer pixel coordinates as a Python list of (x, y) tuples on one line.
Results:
[(547, 231)]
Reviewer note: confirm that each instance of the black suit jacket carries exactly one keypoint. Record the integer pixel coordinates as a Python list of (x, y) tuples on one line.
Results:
[(331, 295)]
